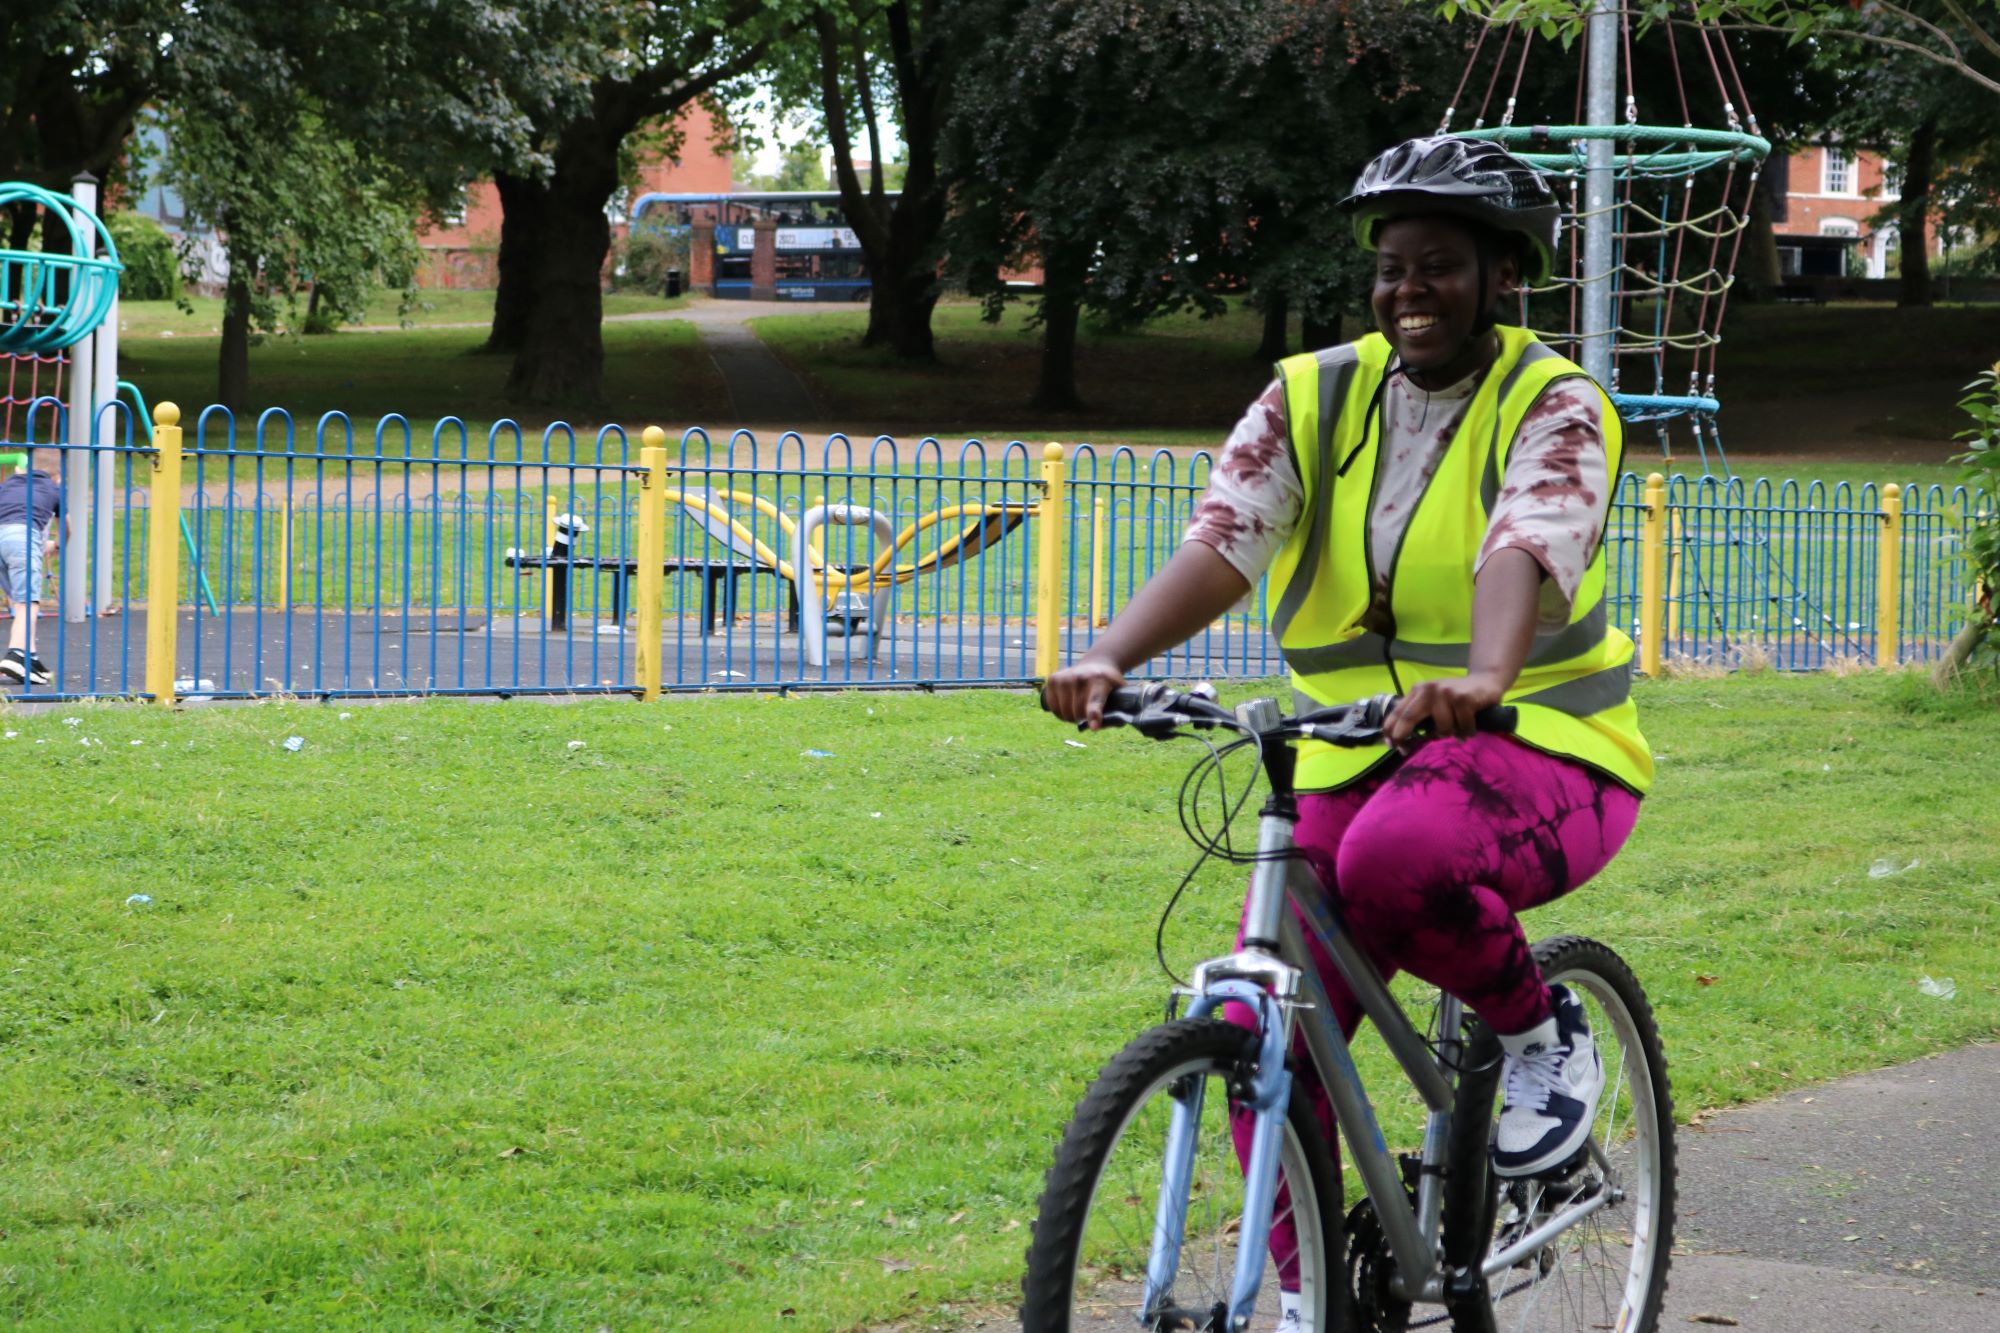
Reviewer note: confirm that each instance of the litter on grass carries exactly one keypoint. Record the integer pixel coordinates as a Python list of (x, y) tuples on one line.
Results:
[(819, 754), (1884, 868), (1943, 988), (139, 900), (295, 743)]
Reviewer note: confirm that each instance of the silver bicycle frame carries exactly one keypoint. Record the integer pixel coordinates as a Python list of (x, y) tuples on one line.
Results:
[(1284, 979)]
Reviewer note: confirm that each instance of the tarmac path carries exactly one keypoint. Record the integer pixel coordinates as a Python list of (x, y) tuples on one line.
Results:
[(1869, 1203)]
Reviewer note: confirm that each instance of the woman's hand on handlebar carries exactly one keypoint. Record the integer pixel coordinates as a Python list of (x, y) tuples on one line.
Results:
[(1449, 706), (1077, 692)]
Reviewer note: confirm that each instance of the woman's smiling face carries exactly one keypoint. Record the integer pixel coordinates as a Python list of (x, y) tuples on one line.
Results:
[(1427, 294)]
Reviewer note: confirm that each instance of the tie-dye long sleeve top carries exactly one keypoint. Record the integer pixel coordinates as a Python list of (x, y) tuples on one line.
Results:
[(1552, 500)]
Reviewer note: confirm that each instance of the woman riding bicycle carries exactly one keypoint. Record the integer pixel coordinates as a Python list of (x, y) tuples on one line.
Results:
[(1428, 503)]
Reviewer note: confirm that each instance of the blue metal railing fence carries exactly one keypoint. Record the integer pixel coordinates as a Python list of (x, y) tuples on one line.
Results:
[(336, 561)]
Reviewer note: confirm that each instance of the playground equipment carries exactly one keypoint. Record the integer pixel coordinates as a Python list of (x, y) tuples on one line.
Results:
[(1654, 224), (56, 297), (1655, 213), (854, 611), (839, 599), (59, 322)]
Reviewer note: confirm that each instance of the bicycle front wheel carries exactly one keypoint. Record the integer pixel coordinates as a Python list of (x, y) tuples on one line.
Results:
[(1099, 1214), (1608, 1270)]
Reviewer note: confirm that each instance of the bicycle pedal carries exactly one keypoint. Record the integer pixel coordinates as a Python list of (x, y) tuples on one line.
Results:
[(1563, 1172)]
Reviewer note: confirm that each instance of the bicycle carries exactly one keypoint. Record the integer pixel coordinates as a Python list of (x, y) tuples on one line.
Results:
[(1148, 1220)]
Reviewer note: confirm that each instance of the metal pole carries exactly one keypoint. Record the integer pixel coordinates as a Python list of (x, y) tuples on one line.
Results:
[(1599, 191), (76, 469), (1652, 577), (1049, 545), (104, 431), (163, 555), (650, 582)]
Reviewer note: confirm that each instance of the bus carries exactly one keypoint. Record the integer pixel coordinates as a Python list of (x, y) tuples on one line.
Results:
[(819, 258)]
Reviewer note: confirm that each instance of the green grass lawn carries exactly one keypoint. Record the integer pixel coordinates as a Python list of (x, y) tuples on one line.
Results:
[(523, 1016), (1854, 393), (1803, 387), (655, 373), (1181, 374), (201, 316)]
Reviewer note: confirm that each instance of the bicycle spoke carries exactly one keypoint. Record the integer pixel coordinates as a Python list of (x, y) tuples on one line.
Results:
[(1605, 1269)]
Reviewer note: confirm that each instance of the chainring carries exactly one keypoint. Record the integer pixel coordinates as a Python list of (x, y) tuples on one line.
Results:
[(1377, 1309)]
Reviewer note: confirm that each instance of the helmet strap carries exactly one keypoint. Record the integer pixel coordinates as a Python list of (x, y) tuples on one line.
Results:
[(1487, 319)]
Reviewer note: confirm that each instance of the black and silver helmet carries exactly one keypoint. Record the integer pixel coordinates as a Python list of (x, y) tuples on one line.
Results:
[(1469, 178)]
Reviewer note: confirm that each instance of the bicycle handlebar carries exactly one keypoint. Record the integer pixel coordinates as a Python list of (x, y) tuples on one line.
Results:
[(1158, 712)]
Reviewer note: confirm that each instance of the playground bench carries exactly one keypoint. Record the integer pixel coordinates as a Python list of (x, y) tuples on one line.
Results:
[(719, 577)]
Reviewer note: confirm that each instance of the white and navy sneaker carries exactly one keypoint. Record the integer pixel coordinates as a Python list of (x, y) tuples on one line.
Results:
[(1291, 1321), (1552, 1077)]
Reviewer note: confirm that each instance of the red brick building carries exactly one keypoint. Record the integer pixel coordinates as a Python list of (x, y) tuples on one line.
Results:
[(1823, 198), (461, 251)]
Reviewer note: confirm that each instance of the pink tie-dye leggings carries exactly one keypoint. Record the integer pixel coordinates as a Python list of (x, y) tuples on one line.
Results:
[(1427, 868)]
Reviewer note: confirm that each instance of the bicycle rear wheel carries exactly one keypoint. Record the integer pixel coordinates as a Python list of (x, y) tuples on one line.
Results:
[(1609, 1270), (1095, 1225)]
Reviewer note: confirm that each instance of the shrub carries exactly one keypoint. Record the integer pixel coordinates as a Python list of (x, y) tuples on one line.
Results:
[(152, 268), (640, 261), (1982, 530)]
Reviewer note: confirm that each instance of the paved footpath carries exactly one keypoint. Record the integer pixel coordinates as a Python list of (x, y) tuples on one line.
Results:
[(1871, 1203), (1868, 1203)]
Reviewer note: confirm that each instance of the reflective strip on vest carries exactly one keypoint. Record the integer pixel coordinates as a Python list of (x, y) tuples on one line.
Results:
[(1343, 643)]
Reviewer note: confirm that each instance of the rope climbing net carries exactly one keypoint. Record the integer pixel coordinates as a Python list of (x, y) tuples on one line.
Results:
[(1676, 215), (27, 382)]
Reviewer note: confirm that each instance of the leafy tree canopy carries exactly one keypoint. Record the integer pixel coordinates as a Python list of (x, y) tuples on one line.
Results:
[(1961, 36)]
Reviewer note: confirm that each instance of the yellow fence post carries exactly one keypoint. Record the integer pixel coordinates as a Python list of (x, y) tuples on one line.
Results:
[(1048, 565), (163, 556), (1652, 574), (1100, 546), (548, 544), (650, 585), (1889, 577), (285, 558)]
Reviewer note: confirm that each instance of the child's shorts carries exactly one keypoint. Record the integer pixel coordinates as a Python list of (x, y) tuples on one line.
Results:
[(20, 563)]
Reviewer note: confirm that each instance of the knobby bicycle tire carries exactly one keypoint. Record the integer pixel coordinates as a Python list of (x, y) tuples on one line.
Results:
[(1146, 1069), (1477, 1204)]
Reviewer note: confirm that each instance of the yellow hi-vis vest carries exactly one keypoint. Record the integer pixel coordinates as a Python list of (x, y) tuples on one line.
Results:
[(1574, 692)]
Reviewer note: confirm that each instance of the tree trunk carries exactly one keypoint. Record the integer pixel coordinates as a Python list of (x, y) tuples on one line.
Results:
[(909, 282), (1963, 646), (521, 209), (232, 388), (1913, 216), (1273, 347), (1757, 270), (1318, 334), (561, 358), (1062, 292), (898, 238)]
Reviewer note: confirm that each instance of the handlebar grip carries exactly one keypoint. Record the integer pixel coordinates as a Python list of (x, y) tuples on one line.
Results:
[(1500, 719)]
